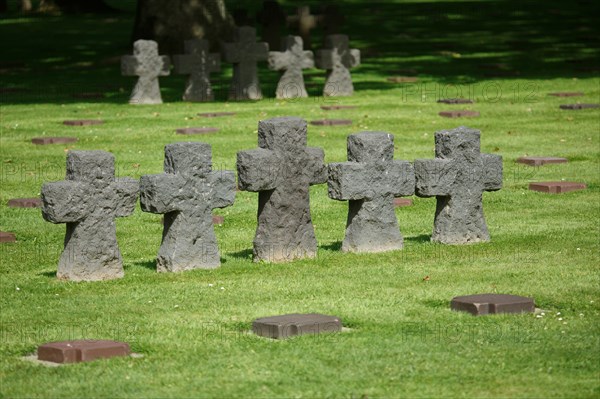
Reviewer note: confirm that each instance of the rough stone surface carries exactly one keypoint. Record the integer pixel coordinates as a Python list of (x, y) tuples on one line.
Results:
[(331, 122), (244, 54), (304, 22), (25, 203), (81, 351), (198, 63), (186, 194), (455, 101), (88, 201), (337, 58), (336, 107), (403, 79), (457, 177), (197, 130), (566, 94), (53, 140), (286, 326), (402, 202), (292, 61), (83, 122), (7, 237), (579, 106), (281, 171), (539, 161), (148, 65), (557, 187), (272, 18), (369, 181), (459, 114), (216, 114), (483, 304)]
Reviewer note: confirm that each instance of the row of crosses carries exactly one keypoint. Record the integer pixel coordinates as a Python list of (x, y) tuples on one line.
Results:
[(281, 170), (244, 53)]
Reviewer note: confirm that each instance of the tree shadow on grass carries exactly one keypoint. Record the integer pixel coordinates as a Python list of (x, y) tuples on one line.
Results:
[(51, 274)]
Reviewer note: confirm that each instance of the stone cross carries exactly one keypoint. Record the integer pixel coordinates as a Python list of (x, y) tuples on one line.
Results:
[(272, 18), (187, 193), (458, 177), (337, 59), (370, 180), (244, 53), (148, 65), (293, 60), (88, 201), (304, 21), (198, 63), (281, 171)]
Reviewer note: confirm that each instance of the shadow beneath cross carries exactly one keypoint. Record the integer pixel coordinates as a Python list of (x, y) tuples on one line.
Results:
[(147, 264), (51, 274), (420, 239), (242, 254), (332, 246)]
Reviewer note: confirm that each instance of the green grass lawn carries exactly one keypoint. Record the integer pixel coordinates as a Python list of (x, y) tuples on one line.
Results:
[(402, 339)]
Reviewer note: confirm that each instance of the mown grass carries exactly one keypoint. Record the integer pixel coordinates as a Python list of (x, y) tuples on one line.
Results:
[(402, 340)]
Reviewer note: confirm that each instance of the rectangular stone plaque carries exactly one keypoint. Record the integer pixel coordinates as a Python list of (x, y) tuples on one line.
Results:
[(286, 326), (81, 350)]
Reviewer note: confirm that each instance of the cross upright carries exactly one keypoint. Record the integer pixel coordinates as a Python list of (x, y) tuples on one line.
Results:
[(244, 53), (198, 63), (458, 177), (281, 171), (337, 58), (293, 60), (186, 194), (369, 181), (88, 201), (148, 65), (272, 18), (304, 21)]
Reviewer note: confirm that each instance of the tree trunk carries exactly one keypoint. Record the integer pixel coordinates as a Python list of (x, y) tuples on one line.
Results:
[(25, 5), (170, 22)]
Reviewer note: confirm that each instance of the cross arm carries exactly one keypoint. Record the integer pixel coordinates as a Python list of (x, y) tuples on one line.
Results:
[(161, 193), (261, 51), (315, 166), (129, 65), (166, 65), (324, 59), (308, 60), (346, 181), (434, 177), (278, 60), (222, 183), (126, 193), (354, 59), (258, 169), (492, 168), (64, 201), (230, 52), (185, 63), (402, 176)]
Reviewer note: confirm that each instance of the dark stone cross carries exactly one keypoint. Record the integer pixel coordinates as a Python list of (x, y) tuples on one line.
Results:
[(148, 65), (337, 58), (244, 53), (293, 60), (88, 201), (187, 193), (304, 21), (198, 63), (458, 177), (272, 18), (281, 171), (370, 180)]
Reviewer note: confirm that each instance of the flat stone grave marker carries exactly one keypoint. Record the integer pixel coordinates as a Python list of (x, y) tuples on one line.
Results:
[(457, 177), (337, 58), (292, 61), (7, 237), (272, 18), (455, 101), (186, 194), (88, 201), (403, 79), (336, 107), (557, 187), (216, 114), (290, 325), (53, 140), (331, 122), (196, 130), (198, 63), (578, 106), (25, 203), (304, 22), (83, 122), (566, 94), (281, 170), (482, 304), (370, 180), (539, 161), (402, 202), (148, 66), (81, 351), (459, 114)]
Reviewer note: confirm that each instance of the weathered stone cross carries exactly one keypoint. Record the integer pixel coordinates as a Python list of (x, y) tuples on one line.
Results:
[(293, 60), (282, 170), (244, 53), (198, 63), (187, 193), (370, 180), (88, 201), (337, 59), (148, 65), (305, 21), (457, 177)]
